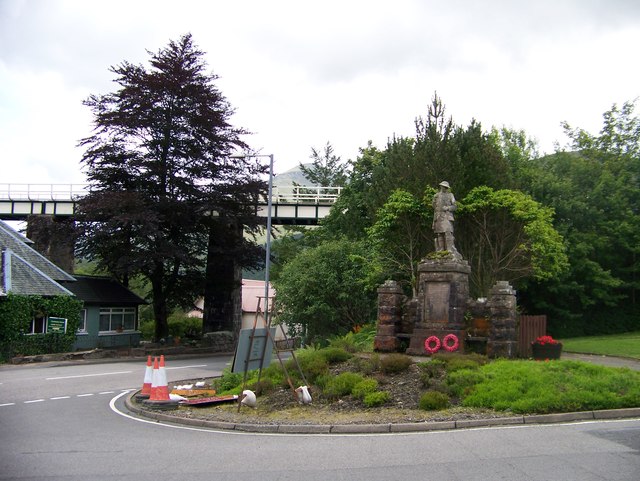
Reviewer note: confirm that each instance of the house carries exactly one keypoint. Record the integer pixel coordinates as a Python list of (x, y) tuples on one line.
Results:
[(109, 317), (110, 314), (252, 292)]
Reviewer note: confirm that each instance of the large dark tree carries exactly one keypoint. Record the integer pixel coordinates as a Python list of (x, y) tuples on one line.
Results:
[(167, 197)]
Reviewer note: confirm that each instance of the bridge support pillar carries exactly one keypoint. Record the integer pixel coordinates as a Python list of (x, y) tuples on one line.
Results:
[(54, 238), (223, 284)]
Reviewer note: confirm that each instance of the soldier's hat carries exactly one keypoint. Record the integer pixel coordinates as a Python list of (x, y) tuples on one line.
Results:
[(444, 183)]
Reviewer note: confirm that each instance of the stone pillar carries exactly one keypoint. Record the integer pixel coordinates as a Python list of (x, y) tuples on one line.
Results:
[(390, 302), (443, 294), (503, 334), (53, 237)]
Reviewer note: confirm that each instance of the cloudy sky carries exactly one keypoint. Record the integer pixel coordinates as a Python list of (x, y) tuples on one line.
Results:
[(301, 74)]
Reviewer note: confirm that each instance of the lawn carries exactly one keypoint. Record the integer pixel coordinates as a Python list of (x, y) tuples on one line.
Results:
[(622, 345)]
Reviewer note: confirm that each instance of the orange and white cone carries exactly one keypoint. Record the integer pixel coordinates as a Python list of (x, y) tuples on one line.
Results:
[(159, 398), (145, 393), (154, 381), (163, 388)]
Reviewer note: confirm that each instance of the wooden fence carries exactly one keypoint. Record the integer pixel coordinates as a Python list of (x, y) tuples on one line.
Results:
[(531, 327)]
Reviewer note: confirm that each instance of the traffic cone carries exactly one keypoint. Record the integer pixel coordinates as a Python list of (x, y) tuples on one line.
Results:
[(163, 388), (155, 380), (159, 398), (145, 392)]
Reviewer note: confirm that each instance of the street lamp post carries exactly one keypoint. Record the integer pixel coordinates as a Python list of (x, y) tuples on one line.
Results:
[(267, 264)]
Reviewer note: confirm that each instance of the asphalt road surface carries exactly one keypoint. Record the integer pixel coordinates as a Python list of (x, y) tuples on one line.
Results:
[(68, 422)]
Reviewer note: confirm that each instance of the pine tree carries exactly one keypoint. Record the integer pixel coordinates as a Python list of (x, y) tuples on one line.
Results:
[(163, 179)]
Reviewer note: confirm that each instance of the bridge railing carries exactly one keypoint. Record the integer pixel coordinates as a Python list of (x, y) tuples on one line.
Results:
[(43, 192), (71, 192)]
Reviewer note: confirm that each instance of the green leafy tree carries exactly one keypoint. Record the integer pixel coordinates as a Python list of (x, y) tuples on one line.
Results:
[(164, 188), (440, 150), (506, 235), (594, 188), (323, 291), (401, 236)]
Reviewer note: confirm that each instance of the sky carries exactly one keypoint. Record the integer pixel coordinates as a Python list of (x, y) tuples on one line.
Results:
[(301, 74)]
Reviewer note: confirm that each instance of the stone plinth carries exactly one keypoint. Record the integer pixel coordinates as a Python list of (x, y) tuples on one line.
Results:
[(443, 293), (390, 302)]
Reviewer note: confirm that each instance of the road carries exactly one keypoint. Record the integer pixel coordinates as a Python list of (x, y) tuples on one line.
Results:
[(68, 422)]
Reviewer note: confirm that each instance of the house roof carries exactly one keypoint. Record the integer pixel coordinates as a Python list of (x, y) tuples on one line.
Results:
[(251, 290), (10, 239), (24, 270), (95, 290)]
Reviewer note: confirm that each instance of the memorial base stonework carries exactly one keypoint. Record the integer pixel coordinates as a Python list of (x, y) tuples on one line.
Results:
[(390, 309), (443, 293), (417, 344), (439, 310)]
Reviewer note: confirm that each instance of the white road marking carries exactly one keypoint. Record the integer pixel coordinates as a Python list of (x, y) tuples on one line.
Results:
[(83, 395), (34, 401), (88, 375), (107, 392), (8, 404), (185, 367), (59, 397)]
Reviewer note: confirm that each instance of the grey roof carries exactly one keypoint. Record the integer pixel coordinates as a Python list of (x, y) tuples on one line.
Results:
[(24, 279), (25, 271), (94, 290), (10, 239)]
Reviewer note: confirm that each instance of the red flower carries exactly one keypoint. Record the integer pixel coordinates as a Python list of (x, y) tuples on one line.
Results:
[(542, 340)]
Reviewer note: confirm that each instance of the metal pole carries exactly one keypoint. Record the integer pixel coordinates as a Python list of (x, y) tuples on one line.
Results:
[(267, 263)]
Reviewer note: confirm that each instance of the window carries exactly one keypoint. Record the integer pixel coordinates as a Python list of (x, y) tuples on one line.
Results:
[(82, 325), (38, 324), (118, 318)]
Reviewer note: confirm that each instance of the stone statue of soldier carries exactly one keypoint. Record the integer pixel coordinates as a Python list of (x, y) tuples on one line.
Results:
[(444, 205)]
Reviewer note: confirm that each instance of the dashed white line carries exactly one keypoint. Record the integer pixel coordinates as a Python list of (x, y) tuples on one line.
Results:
[(107, 392), (59, 397), (84, 395), (88, 375), (34, 401), (185, 367), (8, 404)]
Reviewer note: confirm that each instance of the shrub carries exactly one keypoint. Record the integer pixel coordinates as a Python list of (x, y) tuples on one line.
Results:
[(312, 363), (323, 380), (367, 365), (435, 368), (180, 325), (342, 384), (345, 342), (228, 381), (378, 398), (456, 361), (433, 401), (334, 355), (364, 387), (394, 363), (263, 386), (462, 382)]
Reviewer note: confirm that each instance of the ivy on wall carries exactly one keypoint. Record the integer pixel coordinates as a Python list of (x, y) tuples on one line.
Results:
[(16, 314)]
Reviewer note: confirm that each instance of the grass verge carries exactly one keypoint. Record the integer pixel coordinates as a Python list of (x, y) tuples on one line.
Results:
[(621, 345)]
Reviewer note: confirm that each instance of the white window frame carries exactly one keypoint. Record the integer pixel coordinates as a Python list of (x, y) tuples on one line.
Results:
[(82, 325), (33, 325), (114, 322)]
